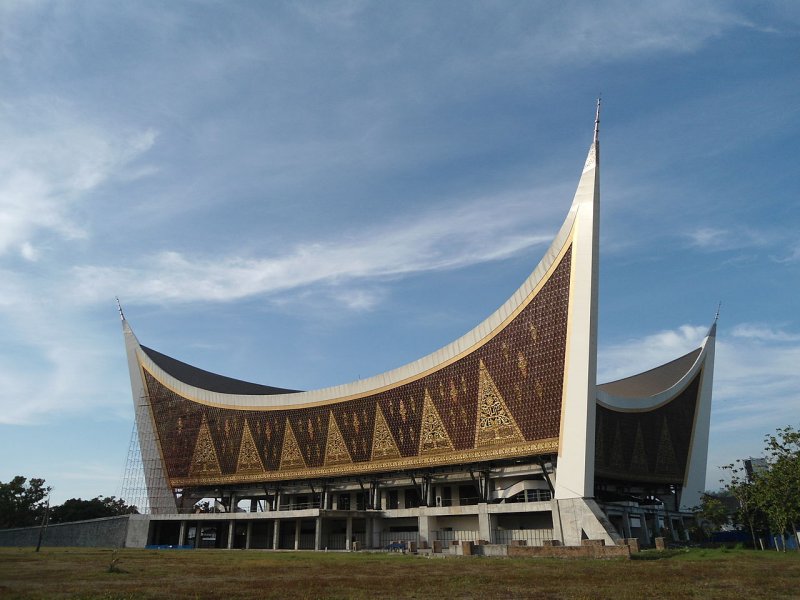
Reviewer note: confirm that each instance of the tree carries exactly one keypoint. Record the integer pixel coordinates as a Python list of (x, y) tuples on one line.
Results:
[(712, 514), (77, 509), (779, 486), (741, 487), (22, 502)]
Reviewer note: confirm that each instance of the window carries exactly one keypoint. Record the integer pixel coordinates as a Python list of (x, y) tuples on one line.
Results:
[(344, 502), (393, 501)]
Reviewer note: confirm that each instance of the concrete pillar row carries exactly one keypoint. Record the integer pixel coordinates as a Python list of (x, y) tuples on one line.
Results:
[(318, 534), (349, 541), (297, 534), (182, 534), (485, 523), (626, 524), (276, 535), (231, 531)]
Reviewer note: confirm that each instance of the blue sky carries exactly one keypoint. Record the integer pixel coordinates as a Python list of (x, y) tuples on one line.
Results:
[(304, 193)]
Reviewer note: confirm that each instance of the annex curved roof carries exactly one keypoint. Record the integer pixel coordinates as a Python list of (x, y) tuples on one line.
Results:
[(653, 427), (207, 380)]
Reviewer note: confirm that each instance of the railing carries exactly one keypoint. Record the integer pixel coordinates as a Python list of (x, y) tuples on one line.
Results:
[(468, 500), (338, 541), (298, 505), (449, 536), (306, 541), (532, 537), (387, 537)]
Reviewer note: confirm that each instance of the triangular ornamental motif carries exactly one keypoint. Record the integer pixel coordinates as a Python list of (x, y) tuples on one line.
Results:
[(495, 423), (616, 462), (384, 446), (433, 436), (249, 461), (639, 457), (336, 452), (204, 459), (666, 463), (291, 457)]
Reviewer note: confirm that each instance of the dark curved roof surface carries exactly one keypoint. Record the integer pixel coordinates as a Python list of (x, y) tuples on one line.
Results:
[(210, 381), (654, 381)]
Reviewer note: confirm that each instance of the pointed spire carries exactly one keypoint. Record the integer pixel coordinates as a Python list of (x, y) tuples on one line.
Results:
[(119, 308), (597, 122), (712, 332)]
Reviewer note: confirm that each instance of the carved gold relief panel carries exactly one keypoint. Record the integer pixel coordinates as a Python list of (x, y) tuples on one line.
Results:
[(503, 399)]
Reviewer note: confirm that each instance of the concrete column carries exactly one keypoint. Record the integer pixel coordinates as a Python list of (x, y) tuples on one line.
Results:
[(325, 495), (671, 527), (182, 534), (377, 527), (297, 534), (431, 499), (231, 531), (253, 505), (249, 535), (276, 535), (278, 500), (645, 530), (485, 523), (348, 543), (425, 525), (318, 534), (626, 524), (234, 500)]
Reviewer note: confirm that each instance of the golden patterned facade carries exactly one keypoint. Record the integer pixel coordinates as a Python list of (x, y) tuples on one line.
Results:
[(501, 400)]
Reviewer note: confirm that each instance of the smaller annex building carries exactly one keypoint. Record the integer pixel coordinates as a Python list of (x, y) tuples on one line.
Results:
[(502, 436)]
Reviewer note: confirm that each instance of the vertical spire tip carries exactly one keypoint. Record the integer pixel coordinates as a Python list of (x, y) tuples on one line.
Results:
[(119, 308), (597, 120)]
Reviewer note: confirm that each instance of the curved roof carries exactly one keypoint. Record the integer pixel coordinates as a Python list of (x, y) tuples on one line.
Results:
[(210, 381), (652, 382), (237, 394)]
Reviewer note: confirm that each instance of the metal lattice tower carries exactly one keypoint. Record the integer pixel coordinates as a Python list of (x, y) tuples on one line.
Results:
[(134, 488)]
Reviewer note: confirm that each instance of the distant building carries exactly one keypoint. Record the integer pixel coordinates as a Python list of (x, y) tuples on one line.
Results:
[(502, 435), (754, 466)]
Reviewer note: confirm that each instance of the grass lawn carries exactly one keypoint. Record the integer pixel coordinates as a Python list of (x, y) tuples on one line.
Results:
[(229, 574)]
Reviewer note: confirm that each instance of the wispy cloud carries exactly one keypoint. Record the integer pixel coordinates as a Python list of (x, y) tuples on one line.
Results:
[(50, 160), (485, 230), (618, 30), (54, 359), (640, 354), (763, 333), (717, 239), (792, 257)]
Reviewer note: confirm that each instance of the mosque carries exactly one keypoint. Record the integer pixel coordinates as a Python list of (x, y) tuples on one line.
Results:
[(501, 437)]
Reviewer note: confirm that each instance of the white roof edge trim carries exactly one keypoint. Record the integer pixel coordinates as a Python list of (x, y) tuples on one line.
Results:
[(392, 377), (646, 403)]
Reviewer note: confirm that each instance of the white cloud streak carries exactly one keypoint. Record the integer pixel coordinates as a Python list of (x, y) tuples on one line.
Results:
[(50, 161), (482, 231), (717, 239)]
